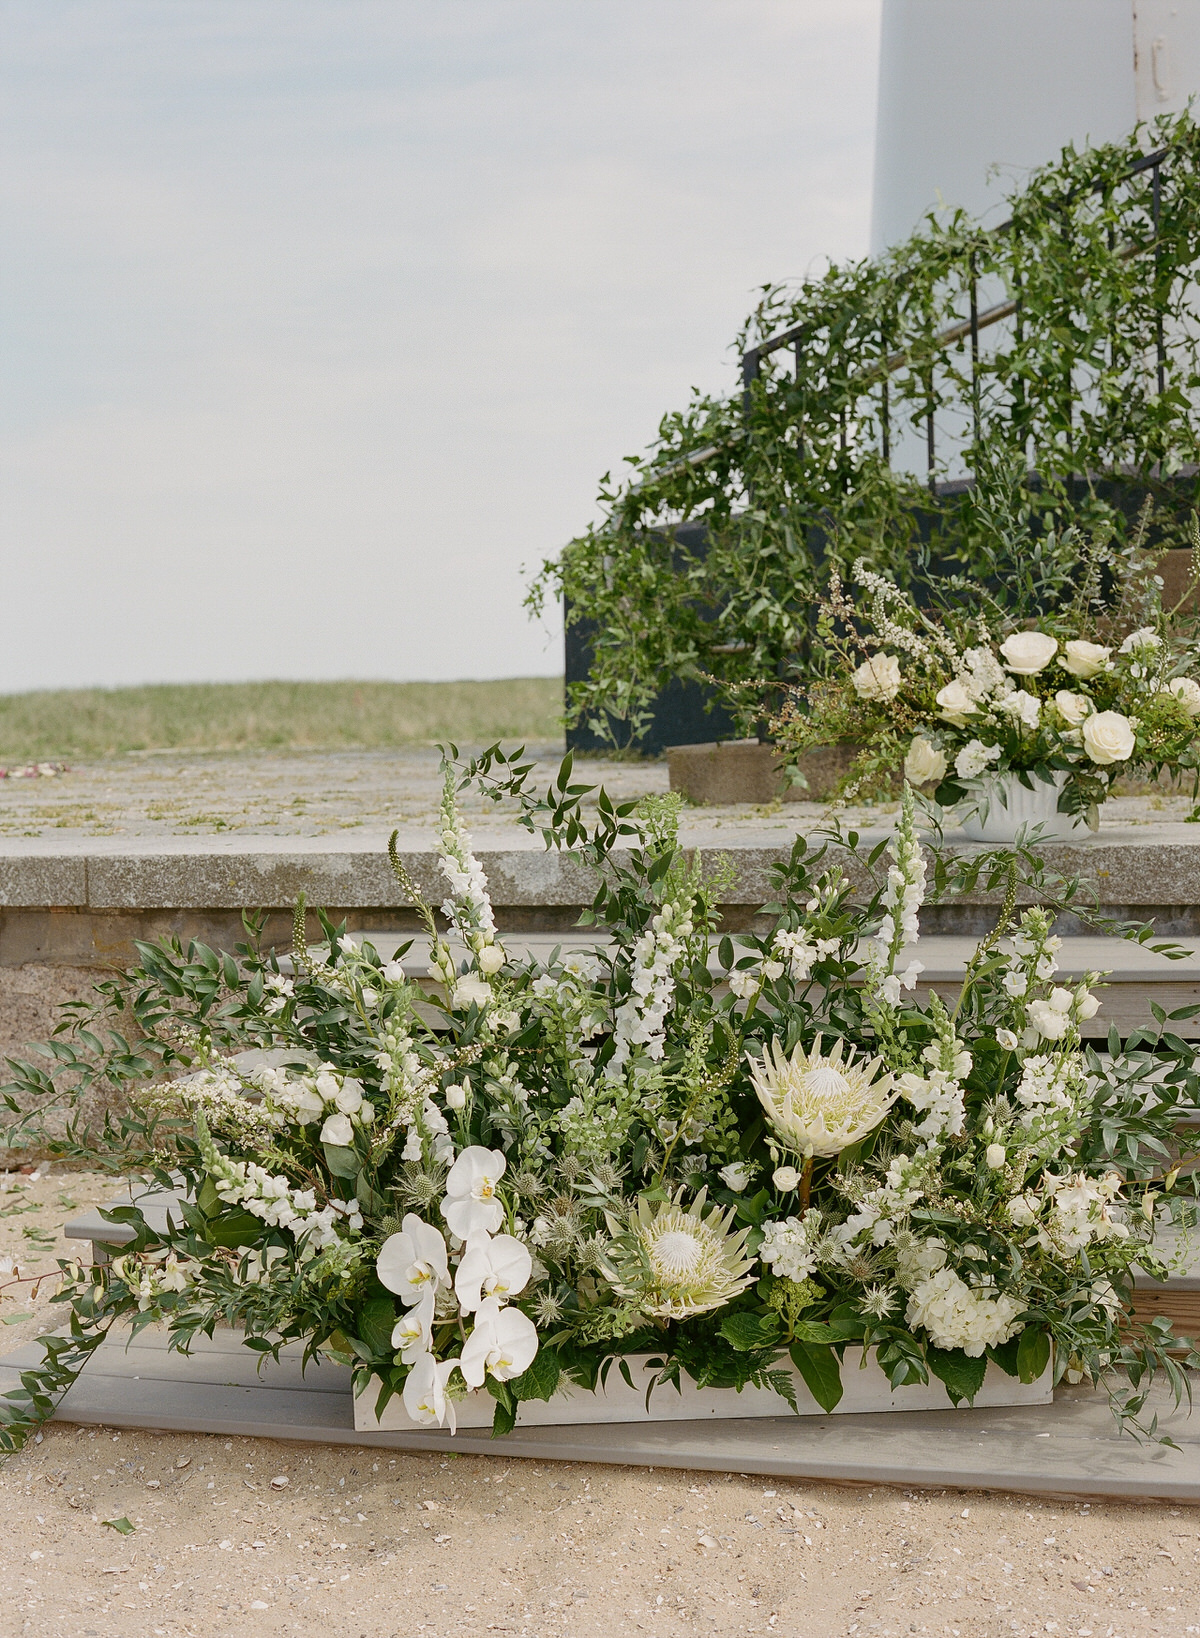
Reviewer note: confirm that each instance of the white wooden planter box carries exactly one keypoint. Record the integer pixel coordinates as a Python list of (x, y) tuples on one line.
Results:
[(862, 1390)]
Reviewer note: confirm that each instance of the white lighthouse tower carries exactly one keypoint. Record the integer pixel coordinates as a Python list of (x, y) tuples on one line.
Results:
[(973, 87)]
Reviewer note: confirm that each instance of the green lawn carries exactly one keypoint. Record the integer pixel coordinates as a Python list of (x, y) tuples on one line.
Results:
[(253, 716)]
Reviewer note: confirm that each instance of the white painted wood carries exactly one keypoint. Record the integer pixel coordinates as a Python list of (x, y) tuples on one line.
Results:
[(864, 1389)]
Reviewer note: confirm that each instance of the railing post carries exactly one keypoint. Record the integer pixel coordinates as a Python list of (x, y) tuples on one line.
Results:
[(929, 445), (1156, 207), (974, 351), (750, 369), (799, 352)]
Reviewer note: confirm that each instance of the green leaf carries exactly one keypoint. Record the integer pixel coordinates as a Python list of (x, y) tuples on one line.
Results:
[(1033, 1354), (541, 1380), (122, 1526), (240, 1228), (504, 1417), (371, 1201), (963, 1376), (342, 1162), (818, 1365), (16, 1319), (746, 1332), (1006, 1356), (208, 1200), (376, 1318)]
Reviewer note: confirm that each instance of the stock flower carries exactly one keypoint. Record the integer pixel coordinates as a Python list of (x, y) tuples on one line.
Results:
[(1022, 705), (924, 762), (1083, 659), (1108, 737), (497, 1267), (471, 1206), (1187, 691), (413, 1331), (414, 1261), (503, 1344), (819, 1105), (1028, 652), (1072, 708), (956, 705), (974, 758), (675, 1263), (878, 678), (425, 1392)]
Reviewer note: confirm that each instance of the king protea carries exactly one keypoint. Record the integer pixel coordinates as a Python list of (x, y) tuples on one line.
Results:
[(819, 1104)]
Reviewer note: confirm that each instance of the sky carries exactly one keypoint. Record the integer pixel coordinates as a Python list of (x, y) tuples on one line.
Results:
[(321, 319)]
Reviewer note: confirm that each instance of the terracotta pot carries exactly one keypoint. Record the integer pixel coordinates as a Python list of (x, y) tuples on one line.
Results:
[(745, 770)]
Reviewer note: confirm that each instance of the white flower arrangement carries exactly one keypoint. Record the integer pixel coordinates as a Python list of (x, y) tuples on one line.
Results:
[(737, 1155)]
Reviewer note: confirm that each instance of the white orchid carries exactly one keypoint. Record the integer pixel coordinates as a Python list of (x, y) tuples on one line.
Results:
[(497, 1267), (471, 1206), (503, 1344), (425, 1392), (413, 1331), (414, 1261)]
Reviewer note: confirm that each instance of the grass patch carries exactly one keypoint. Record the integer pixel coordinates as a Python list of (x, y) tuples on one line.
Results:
[(90, 722)]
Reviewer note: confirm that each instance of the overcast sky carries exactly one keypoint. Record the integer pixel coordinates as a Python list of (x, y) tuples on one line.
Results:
[(322, 318)]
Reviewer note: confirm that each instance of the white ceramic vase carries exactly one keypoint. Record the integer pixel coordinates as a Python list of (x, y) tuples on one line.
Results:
[(1009, 806)]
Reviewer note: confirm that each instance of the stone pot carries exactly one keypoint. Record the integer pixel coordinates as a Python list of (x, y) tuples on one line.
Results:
[(745, 770), (1008, 806)]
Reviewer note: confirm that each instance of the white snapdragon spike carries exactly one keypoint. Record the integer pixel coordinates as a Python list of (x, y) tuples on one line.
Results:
[(471, 1206), (413, 1262), (503, 1344), (492, 1266), (156, 1273), (279, 991), (801, 952), (903, 897), (641, 1020), (880, 1210), (412, 1333), (424, 1393), (468, 908), (272, 1199)]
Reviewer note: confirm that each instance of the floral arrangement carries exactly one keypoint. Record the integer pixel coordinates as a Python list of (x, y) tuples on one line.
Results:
[(952, 700), (741, 1156)]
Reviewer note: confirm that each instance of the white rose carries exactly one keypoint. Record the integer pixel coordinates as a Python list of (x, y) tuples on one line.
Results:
[(468, 990), (956, 704), (995, 1156), (1072, 708), (1108, 737), (1028, 652), (1082, 659), (736, 1175), (924, 762), (785, 1177), (491, 958), (348, 1099), (337, 1129), (1187, 691), (877, 678), (1144, 637)]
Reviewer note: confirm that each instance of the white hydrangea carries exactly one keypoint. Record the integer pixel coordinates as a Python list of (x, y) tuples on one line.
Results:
[(957, 1315), (974, 757)]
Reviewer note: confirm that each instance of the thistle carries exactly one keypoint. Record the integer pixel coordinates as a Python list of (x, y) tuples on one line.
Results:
[(820, 1104), (674, 1262)]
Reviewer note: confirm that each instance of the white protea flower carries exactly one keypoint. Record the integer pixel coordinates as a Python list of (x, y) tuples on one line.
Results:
[(678, 1262), (818, 1103)]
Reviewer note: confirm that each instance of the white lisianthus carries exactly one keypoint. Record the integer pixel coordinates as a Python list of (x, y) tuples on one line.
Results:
[(1144, 637), (1084, 660), (1028, 652), (736, 1175), (1072, 708), (974, 758), (425, 1392), (393, 973), (503, 1344), (456, 1097), (1187, 691), (995, 1156), (1025, 707), (471, 1206), (338, 1130), (1007, 1040), (414, 1261), (785, 1178), (498, 1266), (468, 992), (955, 704), (924, 763), (491, 958), (878, 678), (349, 1096), (1108, 737)]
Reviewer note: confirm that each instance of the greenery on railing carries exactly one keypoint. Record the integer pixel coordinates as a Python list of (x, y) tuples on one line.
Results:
[(1069, 398)]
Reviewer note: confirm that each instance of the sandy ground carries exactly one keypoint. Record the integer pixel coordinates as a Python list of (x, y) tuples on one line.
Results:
[(245, 1537), (318, 793)]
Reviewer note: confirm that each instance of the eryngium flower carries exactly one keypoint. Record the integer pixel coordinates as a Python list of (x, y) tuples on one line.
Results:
[(820, 1104), (675, 1262)]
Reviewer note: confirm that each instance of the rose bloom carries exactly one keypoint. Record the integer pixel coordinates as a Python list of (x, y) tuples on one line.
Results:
[(1082, 659), (956, 704), (1108, 738), (1073, 708), (1187, 691), (877, 678), (924, 762), (1027, 652)]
